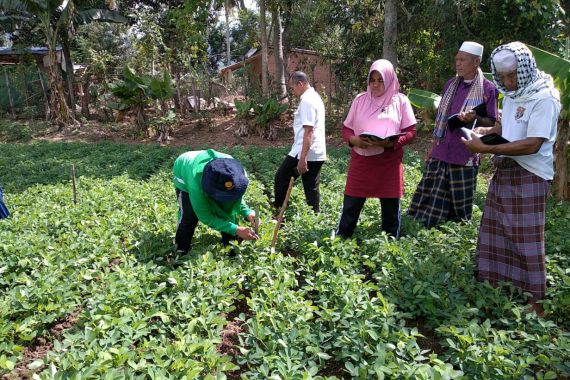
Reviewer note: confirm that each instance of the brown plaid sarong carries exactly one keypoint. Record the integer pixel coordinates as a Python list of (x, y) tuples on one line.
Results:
[(504, 162), (511, 238)]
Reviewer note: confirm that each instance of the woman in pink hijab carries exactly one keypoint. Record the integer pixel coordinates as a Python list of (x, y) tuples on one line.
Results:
[(380, 122)]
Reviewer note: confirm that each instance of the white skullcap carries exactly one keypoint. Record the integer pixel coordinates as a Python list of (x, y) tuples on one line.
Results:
[(472, 48), (505, 61)]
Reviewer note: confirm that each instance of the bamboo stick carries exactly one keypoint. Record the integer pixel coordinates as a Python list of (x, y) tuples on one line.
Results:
[(281, 213), (256, 229), (74, 184)]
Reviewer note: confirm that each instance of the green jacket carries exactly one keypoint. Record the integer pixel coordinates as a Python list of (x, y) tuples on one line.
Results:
[(187, 176)]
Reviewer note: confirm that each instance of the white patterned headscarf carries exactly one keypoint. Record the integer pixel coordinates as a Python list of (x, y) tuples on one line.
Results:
[(532, 83)]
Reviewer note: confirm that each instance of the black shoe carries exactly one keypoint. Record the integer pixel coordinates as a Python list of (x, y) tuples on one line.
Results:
[(181, 251), (340, 236), (233, 252)]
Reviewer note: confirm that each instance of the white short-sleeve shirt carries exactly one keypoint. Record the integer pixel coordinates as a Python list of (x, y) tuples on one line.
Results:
[(534, 118), (311, 112)]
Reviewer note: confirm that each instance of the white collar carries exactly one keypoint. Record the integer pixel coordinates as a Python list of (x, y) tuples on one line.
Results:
[(306, 91)]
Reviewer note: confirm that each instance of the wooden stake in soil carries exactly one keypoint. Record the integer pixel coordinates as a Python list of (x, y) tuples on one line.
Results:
[(256, 220), (73, 183), (281, 213)]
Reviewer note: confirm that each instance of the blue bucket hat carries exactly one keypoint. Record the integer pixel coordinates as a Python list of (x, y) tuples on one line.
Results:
[(224, 179)]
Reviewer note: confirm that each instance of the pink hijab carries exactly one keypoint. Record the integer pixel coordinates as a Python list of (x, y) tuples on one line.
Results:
[(391, 87), (364, 114)]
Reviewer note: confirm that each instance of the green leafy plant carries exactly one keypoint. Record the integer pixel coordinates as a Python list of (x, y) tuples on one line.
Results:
[(163, 126), (136, 92), (266, 112), (104, 271), (427, 102), (261, 113), (424, 99), (244, 109), (559, 68)]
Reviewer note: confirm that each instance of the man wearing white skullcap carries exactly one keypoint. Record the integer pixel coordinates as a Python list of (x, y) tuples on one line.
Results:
[(511, 237), (472, 48), (447, 188)]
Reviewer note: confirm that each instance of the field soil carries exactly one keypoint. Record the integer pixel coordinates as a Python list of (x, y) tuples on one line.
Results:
[(214, 130)]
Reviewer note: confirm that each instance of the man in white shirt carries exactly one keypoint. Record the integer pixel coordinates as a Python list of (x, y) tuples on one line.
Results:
[(309, 146)]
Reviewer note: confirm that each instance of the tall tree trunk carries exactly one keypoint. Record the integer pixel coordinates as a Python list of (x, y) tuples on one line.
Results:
[(178, 104), (278, 54), (390, 31), (227, 7), (287, 19), (44, 90), (11, 101), (561, 176), (70, 77), (86, 98), (60, 113), (264, 58)]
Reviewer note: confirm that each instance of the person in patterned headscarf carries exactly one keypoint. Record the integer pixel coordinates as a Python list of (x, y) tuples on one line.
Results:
[(511, 236)]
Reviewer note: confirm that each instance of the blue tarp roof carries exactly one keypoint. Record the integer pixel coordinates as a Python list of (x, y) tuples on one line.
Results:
[(31, 50)]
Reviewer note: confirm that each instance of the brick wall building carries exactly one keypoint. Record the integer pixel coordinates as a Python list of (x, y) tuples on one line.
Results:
[(315, 66)]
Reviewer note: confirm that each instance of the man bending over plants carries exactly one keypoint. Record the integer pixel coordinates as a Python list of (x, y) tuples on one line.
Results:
[(210, 186)]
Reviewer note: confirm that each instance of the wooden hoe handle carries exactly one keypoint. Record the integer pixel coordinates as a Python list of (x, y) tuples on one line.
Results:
[(281, 213)]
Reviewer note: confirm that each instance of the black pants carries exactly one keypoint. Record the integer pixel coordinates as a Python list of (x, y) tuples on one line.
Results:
[(188, 222), (311, 180), (351, 208)]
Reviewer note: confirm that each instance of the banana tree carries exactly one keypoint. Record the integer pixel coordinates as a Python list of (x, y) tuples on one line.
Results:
[(426, 101), (50, 16), (136, 92), (52, 19), (82, 17), (559, 69)]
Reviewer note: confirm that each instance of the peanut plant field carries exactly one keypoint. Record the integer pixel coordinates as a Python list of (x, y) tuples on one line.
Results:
[(93, 290)]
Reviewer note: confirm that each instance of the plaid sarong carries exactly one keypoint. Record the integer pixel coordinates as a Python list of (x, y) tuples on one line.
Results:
[(444, 193), (511, 238)]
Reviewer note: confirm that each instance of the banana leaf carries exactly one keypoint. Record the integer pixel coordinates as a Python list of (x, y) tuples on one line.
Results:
[(424, 99), (162, 89), (86, 16), (559, 68)]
